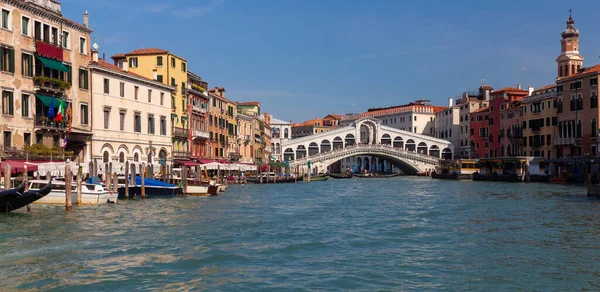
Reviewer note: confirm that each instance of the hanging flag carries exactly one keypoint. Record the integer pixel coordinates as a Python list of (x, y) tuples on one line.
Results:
[(51, 110), (64, 142), (69, 118), (59, 115)]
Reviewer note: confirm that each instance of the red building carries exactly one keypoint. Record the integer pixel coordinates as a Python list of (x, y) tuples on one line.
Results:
[(479, 128), (198, 111), (499, 101)]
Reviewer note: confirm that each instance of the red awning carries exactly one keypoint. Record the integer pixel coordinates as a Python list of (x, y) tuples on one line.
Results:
[(18, 166), (49, 51), (187, 163), (205, 161), (223, 161)]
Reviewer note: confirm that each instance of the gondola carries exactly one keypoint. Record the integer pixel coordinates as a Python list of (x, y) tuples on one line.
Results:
[(377, 175), (26, 199), (341, 176), (319, 178), (256, 180), (9, 195)]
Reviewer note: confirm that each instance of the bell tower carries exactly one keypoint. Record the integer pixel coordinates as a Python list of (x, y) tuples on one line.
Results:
[(569, 61)]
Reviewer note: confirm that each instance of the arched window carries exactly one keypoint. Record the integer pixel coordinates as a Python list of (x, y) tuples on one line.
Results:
[(105, 157), (594, 100), (579, 103), (121, 157), (594, 127), (136, 157), (285, 133), (572, 108)]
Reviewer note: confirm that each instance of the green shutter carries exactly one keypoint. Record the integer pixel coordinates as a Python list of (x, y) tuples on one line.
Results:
[(30, 65), (11, 104), (11, 60), (2, 50), (85, 79), (70, 74)]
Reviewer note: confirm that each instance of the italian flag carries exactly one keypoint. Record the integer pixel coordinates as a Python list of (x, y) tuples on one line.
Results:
[(59, 115)]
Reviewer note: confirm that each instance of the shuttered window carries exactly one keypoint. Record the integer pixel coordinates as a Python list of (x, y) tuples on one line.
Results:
[(7, 103), (7, 59)]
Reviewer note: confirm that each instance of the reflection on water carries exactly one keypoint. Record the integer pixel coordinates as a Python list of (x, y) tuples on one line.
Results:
[(394, 234)]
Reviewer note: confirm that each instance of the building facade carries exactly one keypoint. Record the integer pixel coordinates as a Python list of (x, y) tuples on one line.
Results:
[(479, 133), (217, 119), (280, 132), (577, 100), (417, 117), (198, 100), (447, 124), (170, 69), (540, 122), (245, 138), (44, 61), (126, 128), (499, 100), (470, 102), (511, 129)]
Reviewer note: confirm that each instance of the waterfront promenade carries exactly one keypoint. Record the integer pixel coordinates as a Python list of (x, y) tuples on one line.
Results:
[(407, 233)]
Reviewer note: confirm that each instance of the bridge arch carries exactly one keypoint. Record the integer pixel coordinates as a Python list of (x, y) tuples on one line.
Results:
[(300, 152), (289, 154), (338, 143), (325, 146), (410, 145), (434, 150), (422, 148), (398, 142), (404, 164), (386, 139), (372, 130), (313, 149), (350, 140)]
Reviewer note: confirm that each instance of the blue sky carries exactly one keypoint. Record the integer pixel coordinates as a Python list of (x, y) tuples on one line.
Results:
[(306, 58)]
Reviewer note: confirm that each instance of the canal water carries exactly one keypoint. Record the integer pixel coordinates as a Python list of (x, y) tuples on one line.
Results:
[(401, 234)]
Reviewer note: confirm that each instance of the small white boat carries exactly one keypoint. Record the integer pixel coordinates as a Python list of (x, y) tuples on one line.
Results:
[(197, 191), (91, 194)]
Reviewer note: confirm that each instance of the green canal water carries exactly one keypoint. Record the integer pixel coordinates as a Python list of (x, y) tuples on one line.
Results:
[(400, 234)]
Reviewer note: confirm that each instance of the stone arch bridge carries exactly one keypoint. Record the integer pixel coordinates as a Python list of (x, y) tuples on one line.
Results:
[(408, 151)]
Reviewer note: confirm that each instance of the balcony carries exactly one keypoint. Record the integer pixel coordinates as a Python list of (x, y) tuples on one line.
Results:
[(181, 154), (235, 156), (198, 109), (564, 141), (180, 132), (51, 84), (199, 134), (42, 122)]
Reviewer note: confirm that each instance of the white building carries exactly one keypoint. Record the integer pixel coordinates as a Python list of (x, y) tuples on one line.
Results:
[(417, 117), (447, 124), (131, 117), (280, 131)]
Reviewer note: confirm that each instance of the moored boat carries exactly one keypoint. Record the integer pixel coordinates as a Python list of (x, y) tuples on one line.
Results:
[(341, 176), (26, 198), (319, 178), (152, 187), (91, 194), (9, 195), (376, 175)]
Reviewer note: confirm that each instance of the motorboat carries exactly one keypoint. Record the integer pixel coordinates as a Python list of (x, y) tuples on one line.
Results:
[(152, 188), (91, 194)]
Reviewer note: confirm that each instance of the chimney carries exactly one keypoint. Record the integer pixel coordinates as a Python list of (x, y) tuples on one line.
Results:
[(154, 74), (95, 55), (530, 89), (85, 19), (125, 65), (487, 95), (518, 86), (450, 102)]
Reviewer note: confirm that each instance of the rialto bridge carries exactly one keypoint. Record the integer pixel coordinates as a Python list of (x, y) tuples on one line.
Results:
[(410, 152)]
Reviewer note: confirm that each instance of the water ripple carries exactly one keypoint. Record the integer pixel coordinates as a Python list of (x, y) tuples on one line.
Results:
[(401, 234)]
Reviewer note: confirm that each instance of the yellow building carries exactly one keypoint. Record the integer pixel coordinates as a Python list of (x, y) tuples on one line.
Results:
[(539, 114), (170, 69)]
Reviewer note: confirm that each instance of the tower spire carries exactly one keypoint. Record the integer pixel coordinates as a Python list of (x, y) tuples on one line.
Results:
[(570, 61)]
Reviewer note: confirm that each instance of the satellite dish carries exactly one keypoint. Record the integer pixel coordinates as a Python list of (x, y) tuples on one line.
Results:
[(95, 46)]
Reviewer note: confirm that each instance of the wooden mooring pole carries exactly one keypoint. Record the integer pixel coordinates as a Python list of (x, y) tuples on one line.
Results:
[(133, 178), (7, 176), (79, 174), (127, 180), (68, 189), (143, 182)]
